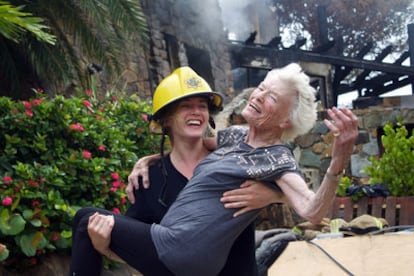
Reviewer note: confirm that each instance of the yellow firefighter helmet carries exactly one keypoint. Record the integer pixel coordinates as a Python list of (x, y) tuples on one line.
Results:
[(182, 83)]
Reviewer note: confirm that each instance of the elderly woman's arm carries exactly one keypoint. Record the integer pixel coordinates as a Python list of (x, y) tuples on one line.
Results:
[(314, 206), (99, 230)]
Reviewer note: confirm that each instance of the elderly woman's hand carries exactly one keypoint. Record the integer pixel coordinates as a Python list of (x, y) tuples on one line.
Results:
[(344, 126), (99, 230)]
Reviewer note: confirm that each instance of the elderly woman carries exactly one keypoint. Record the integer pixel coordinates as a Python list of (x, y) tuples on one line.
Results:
[(196, 234)]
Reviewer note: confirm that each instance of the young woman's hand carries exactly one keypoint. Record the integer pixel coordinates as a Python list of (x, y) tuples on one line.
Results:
[(251, 195)]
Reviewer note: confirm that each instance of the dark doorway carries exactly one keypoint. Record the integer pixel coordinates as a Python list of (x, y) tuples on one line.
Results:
[(199, 61)]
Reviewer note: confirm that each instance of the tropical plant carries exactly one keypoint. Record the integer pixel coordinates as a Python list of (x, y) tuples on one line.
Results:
[(59, 155), (14, 23), (395, 167), (95, 31)]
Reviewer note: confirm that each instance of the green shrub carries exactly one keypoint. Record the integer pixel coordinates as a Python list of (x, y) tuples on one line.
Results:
[(58, 155), (343, 184), (395, 167)]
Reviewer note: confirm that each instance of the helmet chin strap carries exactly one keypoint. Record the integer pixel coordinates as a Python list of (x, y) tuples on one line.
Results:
[(211, 122), (161, 198)]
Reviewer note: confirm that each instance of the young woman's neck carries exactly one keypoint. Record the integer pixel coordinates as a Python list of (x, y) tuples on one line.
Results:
[(185, 155)]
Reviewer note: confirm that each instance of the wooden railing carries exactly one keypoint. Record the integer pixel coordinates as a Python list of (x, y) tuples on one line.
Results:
[(395, 210)]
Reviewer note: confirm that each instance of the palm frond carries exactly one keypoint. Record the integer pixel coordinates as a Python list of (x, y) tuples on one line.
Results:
[(92, 30), (14, 22)]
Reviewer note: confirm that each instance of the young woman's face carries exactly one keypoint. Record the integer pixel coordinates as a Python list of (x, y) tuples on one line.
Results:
[(189, 117), (269, 105)]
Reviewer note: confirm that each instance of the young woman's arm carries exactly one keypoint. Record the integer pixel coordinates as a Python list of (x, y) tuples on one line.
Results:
[(250, 196)]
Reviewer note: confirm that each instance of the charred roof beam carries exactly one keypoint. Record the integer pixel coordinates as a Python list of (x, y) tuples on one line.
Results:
[(245, 56)]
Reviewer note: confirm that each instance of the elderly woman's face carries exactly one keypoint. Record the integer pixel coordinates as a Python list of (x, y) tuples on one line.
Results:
[(269, 105)]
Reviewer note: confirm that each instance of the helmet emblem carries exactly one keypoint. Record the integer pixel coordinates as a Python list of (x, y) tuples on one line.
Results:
[(193, 83)]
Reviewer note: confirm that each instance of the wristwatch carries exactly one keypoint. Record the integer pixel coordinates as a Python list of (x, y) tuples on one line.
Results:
[(334, 177)]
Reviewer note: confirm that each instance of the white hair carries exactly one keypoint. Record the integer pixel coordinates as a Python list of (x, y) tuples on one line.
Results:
[(303, 113)]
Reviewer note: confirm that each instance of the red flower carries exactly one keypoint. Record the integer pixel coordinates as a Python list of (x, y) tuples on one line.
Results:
[(87, 154), (40, 90), (35, 203), (123, 200), (144, 117), (88, 93), (29, 113), (32, 261), (27, 104), (115, 176), (55, 236), (33, 183), (7, 180), (76, 126), (37, 101), (113, 189), (7, 201), (101, 148), (86, 103), (116, 184), (116, 210)]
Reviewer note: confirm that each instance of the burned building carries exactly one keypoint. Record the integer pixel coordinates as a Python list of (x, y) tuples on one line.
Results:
[(181, 33)]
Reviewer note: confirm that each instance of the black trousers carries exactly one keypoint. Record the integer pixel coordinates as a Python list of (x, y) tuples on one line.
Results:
[(130, 239)]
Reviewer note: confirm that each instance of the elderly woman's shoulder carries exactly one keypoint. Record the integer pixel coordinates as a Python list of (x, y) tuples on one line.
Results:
[(241, 128)]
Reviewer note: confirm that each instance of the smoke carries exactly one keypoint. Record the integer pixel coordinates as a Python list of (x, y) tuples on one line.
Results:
[(243, 17), (236, 19)]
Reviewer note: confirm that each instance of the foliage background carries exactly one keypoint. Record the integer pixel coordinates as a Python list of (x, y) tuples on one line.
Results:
[(58, 155), (395, 167)]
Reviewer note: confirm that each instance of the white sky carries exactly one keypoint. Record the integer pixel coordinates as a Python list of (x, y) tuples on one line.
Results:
[(345, 100)]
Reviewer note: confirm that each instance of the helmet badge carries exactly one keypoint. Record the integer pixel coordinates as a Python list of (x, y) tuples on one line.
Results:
[(193, 83)]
